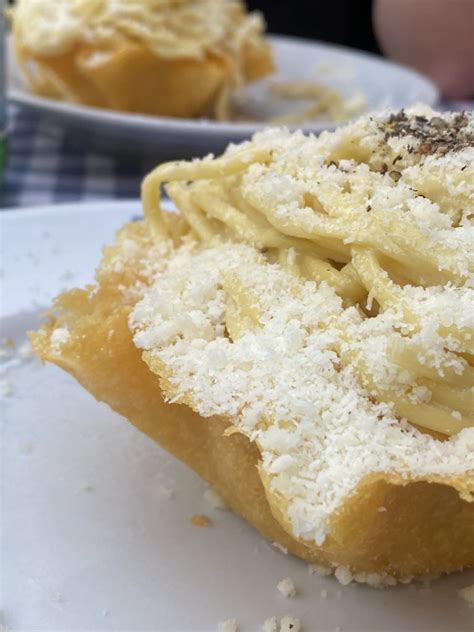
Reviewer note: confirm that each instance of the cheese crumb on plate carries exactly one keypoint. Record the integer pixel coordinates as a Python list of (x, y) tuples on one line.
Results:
[(287, 587), (230, 625), (467, 594)]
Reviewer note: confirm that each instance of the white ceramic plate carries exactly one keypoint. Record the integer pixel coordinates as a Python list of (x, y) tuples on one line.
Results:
[(384, 83), (96, 531)]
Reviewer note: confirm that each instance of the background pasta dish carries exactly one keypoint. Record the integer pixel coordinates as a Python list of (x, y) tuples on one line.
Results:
[(165, 57)]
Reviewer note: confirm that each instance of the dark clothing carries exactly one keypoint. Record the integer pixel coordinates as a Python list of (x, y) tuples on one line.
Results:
[(345, 22)]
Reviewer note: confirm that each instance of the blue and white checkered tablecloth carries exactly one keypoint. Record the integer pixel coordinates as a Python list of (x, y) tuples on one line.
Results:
[(46, 165)]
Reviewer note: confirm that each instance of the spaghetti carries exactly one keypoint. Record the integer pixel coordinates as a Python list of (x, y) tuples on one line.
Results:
[(363, 212), (322, 101)]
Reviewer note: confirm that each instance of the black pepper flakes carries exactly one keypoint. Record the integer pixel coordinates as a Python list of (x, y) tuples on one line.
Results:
[(461, 120), (438, 122), (395, 175), (436, 135)]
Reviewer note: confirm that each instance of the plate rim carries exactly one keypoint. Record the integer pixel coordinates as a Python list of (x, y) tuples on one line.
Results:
[(219, 129), (87, 206)]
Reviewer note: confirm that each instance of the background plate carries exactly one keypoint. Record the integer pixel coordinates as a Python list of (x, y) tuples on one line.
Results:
[(385, 84), (96, 532)]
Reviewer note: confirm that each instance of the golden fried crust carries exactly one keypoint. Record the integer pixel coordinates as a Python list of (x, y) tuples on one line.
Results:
[(257, 60), (425, 527), (133, 79), (55, 76)]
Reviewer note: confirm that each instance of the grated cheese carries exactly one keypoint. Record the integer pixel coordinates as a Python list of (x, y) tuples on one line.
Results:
[(166, 27), (270, 625), (165, 492), (230, 625), (343, 575), (214, 500), (25, 352), (282, 366), (319, 571), (6, 389), (286, 369), (59, 337), (290, 624), (287, 587), (57, 597), (467, 594)]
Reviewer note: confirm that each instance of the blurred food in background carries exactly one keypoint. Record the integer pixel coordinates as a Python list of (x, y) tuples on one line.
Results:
[(178, 58), (321, 101), (164, 57), (197, 58)]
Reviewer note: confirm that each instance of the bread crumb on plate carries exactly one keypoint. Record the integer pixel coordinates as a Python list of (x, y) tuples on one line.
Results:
[(201, 520)]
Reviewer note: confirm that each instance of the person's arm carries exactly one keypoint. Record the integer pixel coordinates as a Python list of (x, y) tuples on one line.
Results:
[(434, 36)]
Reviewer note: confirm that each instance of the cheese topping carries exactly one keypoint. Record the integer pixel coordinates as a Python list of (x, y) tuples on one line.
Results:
[(311, 376), (170, 28)]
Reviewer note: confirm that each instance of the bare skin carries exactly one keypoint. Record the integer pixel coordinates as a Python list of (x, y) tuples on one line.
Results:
[(433, 36)]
